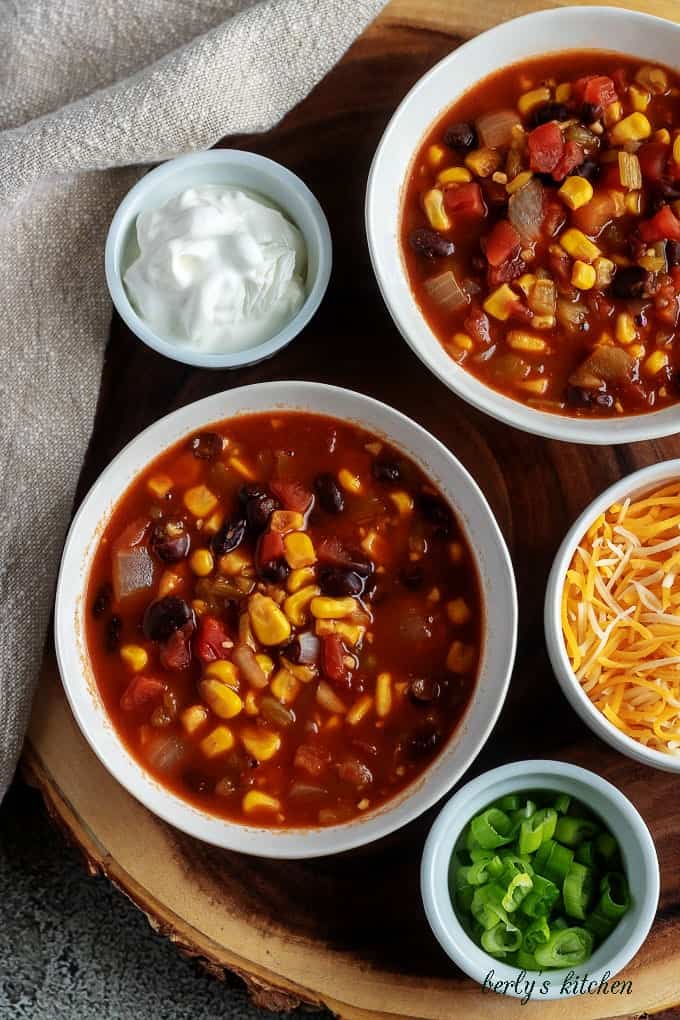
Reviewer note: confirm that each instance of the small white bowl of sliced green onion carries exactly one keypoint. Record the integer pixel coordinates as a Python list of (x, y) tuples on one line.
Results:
[(540, 880)]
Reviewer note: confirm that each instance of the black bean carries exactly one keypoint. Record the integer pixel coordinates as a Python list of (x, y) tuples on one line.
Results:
[(630, 282), (434, 509), (673, 253), (229, 537), (588, 169), (384, 470), (196, 782), (102, 600), (578, 396), (274, 571), (163, 617), (590, 112), (423, 741), (259, 506), (547, 112), (170, 540), (424, 689), (412, 576), (430, 244), (339, 581), (329, 494), (461, 136), (206, 445), (114, 629)]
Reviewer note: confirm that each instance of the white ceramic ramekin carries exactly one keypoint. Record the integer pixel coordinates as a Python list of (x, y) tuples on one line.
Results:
[(634, 485), (498, 595), (569, 28), (230, 167), (621, 818)]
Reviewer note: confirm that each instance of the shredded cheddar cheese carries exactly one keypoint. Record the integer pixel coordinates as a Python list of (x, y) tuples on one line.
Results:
[(621, 617)]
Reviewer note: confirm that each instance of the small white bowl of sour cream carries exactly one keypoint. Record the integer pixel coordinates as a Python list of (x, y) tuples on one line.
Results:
[(231, 253)]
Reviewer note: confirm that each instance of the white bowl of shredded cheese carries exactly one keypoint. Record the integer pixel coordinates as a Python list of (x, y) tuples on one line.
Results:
[(218, 259), (612, 616)]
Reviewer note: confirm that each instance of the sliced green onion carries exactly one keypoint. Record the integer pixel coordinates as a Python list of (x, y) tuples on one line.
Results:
[(615, 898), (573, 831), (501, 940), (513, 865), (525, 960), (518, 890), (492, 828), (562, 802), (568, 947), (559, 923), (486, 906), (537, 934), (606, 846), (480, 872), (511, 802), (524, 812), (553, 861), (542, 897), (586, 854), (536, 830), (577, 890)]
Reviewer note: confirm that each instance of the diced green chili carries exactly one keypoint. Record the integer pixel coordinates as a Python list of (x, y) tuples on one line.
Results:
[(577, 890)]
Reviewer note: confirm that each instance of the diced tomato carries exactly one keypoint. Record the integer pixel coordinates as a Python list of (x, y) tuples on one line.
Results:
[(292, 495), (554, 215), (140, 693), (653, 157), (600, 91), (675, 275), (313, 759), (270, 547), (663, 226), (502, 243), (465, 200), (478, 326), (572, 157), (546, 147), (331, 550), (332, 662), (175, 653), (610, 177), (212, 641)]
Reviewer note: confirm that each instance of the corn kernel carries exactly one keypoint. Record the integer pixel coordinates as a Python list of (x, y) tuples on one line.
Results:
[(454, 175), (214, 523), (352, 633), (134, 656), (221, 698), (402, 500), (201, 562), (633, 128), (663, 135), (244, 470), (200, 501), (636, 350), (576, 244), (284, 521), (299, 551), (236, 562), (676, 149), (285, 687), (349, 482), (456, 552), (501, 302), (604, 270), (436, 154), (526, 283), (296, 605), (613, 113), (262, 744), (536, 387), (462, 341), (383, 695), (250, 706), (461, 657), (633, 202), (222, 670), (269, 624), (519, 340), (483, 162), (193, 718), (530, 100), (639, 98), (458, 611), (305, 674), (653, 78), (325, 608), (563, 92), (199, 606), (625, 328), (169, 582), (433, 203), (518, 182), (299, 578), (543, 322), (655, 363), (218, 741), (360, 709), (576, 192), (265, 663), (256, 800), (159, 485), (583, 276)]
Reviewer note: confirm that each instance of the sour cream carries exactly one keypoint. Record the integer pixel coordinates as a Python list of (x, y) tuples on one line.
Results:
[(219, 268)]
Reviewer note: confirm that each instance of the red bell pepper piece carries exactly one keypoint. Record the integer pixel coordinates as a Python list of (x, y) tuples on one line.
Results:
[(502, 243), (598, 89), (141, 693), (332, 658), (212, 640), (270, 547), (653, 157), (292, 495), (572, 157), (465, 200), (663, 226), (546, 147)]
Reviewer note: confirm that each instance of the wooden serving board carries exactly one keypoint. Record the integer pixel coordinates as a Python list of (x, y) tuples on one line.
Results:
[(349, 932)]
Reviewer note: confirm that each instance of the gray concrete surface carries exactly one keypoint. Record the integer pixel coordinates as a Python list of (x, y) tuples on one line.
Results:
[(71, 946)]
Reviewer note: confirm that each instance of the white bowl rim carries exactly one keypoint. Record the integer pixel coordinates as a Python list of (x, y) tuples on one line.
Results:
[(186, 354), (596, 431), (632, 485), (284, 843), (471, 797)]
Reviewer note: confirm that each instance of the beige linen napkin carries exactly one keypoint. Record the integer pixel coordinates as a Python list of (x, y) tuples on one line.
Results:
[(88, 89)]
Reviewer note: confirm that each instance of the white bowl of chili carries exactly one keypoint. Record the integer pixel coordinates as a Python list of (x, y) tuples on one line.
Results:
[(640, 867), (641, 484), (553, 32), (74, 612)]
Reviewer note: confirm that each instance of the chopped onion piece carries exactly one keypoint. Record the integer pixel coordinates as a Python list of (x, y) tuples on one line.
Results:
[(310, 647), (165, 752), (495, 129), (525, 209), (445, 291), (328, 699)]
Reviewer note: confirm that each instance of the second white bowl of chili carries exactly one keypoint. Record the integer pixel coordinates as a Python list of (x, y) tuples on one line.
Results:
[(556, 311)]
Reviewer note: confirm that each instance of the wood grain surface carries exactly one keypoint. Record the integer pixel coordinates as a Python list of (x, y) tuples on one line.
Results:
[(350, 931)]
